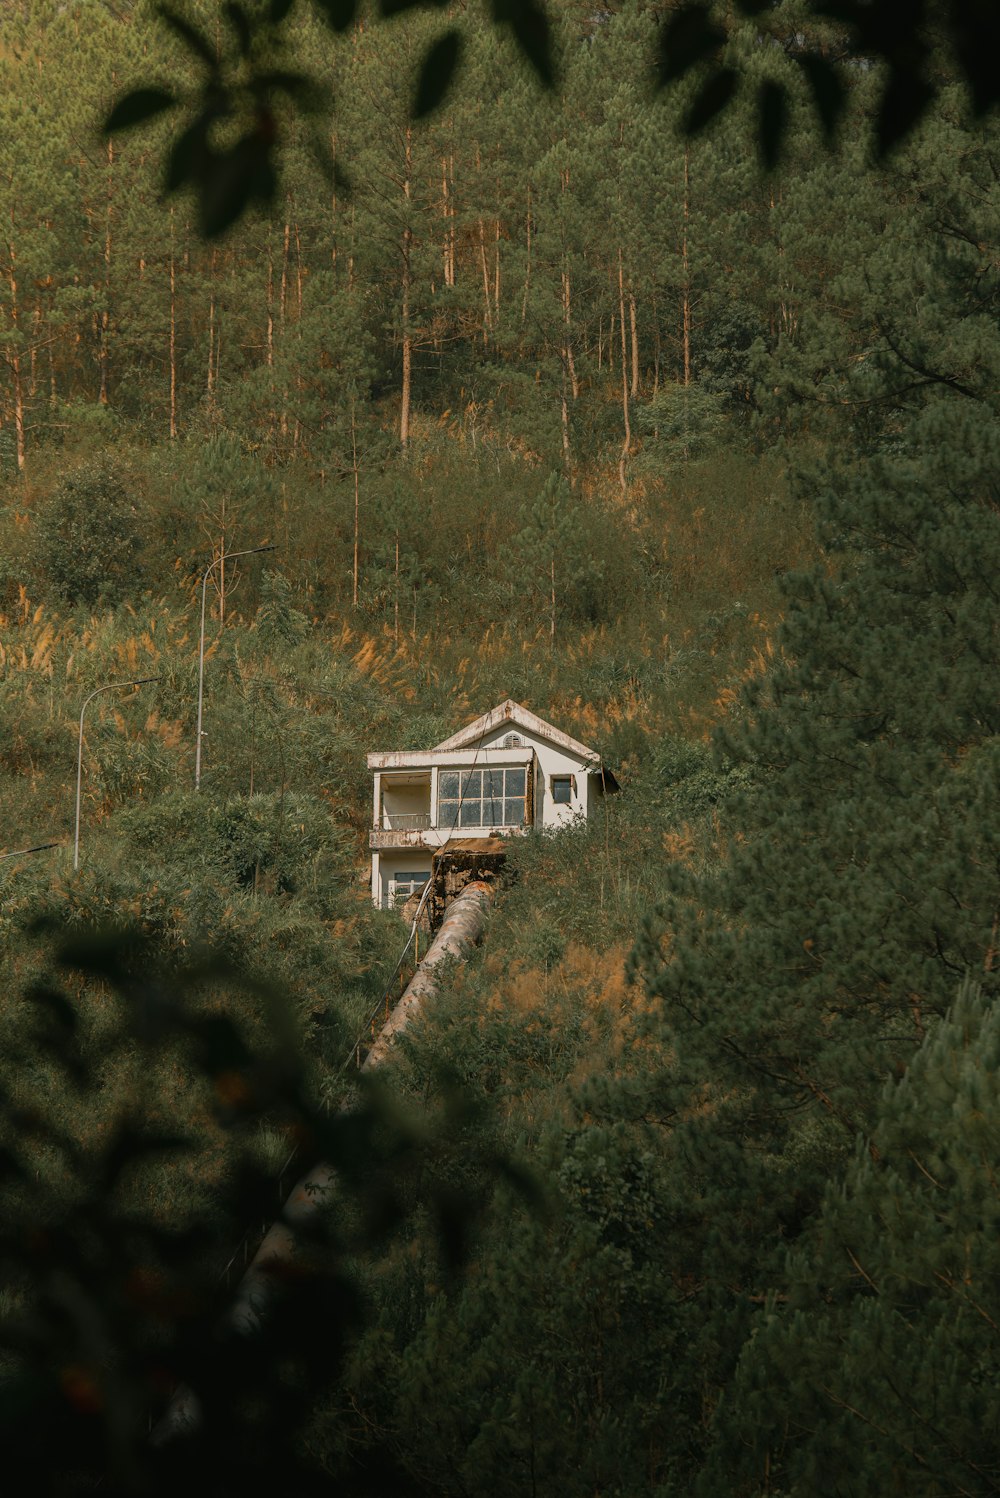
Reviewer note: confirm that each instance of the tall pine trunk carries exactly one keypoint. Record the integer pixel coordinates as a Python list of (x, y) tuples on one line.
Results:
[(527, 261), (103, 351), (686, 274), (173, 333), (634, 329), (357, 502), (407, 335), (627, 443), (14, 358), (210, 379)]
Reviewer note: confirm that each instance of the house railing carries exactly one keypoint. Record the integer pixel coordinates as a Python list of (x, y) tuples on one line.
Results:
[(406, 821)]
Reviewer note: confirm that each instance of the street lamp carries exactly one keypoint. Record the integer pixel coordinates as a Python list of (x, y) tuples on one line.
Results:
[(111, 686), (223, 557)]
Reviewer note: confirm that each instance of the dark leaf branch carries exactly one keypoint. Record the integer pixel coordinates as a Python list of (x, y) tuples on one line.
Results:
[(227, 151), (437, 73), (241, 81), (895, 35)]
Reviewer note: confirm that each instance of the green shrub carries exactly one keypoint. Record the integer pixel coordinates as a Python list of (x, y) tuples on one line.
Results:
[(89, 534)]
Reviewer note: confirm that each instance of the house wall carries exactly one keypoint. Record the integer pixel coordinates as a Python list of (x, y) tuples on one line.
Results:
[(393, 863), (550, 760)]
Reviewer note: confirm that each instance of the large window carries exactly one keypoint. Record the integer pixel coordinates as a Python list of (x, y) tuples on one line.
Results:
[(481, 798)]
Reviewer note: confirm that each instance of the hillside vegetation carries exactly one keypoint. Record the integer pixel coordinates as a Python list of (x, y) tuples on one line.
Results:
[(687, 1182)]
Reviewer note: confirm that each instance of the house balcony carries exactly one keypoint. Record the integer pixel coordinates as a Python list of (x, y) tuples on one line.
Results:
[(400, 831), (405, 821)]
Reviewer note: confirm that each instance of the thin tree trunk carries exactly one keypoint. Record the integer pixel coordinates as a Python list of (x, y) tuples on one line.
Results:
[(218, 353), (210, 384), (444, 216), (19, 439), (487, 306), (568, 335), (527, 266), (496, 265), (552, 575), (299, 382), (635, 345), (448, 215), (173, 334), (452, 237), (270, 307), (357, 502), (36, 338), (103, 354), (283, 292), (282, 311), (404, 408), (333, 206), (222, 565), (686, 273), (395, 627), (14, 358), (627, 443)]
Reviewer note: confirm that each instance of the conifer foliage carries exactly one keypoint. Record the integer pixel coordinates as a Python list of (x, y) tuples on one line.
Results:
[(685, 1185)]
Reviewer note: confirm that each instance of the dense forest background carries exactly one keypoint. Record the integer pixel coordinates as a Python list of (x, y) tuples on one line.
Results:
[(688, 1183)]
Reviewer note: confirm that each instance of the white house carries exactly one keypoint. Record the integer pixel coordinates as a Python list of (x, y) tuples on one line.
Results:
[(504, 773)]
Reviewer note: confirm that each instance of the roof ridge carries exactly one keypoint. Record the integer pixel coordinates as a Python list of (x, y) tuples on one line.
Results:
[(515, 712)]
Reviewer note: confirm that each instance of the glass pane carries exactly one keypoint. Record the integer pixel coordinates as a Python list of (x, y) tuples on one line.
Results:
[(447, 813), (492, 783), (515, 782), (493, 813), (472, 783), (471, 814), (448, 785), (562, 790), (513, 812)]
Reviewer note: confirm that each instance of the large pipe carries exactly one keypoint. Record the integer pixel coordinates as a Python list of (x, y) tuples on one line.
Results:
[(461, 929)]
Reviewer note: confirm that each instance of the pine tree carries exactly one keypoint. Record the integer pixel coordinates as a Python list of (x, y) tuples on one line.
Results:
[(837, 928), (882, 1368), (860, 886)]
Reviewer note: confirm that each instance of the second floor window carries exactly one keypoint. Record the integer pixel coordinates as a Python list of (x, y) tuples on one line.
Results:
[(481, 798)]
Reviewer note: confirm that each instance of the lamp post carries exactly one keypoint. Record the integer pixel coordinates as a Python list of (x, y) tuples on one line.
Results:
[(110, 686), (222, 557)]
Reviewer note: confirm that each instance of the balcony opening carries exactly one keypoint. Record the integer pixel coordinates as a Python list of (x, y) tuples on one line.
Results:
[(406, 802)]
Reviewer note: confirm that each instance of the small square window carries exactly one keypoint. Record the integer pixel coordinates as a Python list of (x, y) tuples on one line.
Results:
[(562, 790)]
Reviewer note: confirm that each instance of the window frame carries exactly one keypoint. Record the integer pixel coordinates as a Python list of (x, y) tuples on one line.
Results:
[(500, 779), (567, 781)]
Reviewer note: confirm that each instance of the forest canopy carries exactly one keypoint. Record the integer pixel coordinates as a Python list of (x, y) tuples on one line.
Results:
[(686, 1184), (695, 42)]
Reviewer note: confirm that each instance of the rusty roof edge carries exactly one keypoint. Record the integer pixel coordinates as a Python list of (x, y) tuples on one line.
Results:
[(424, 759)]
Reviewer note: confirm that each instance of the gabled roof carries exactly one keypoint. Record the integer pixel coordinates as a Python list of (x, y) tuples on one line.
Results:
[(512, 712)]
